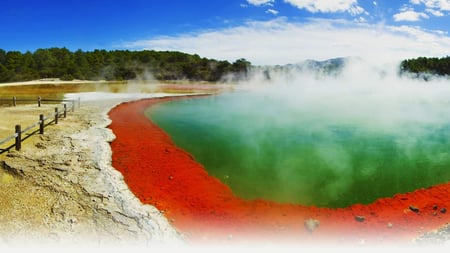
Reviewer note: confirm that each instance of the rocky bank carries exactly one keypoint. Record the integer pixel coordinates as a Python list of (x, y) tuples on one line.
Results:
[(61, 189)]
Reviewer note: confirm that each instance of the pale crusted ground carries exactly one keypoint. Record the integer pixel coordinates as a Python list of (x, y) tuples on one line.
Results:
[(61, 189)]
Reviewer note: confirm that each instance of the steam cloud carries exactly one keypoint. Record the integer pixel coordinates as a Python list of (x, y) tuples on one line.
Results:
[(360, 100), (357, 133)]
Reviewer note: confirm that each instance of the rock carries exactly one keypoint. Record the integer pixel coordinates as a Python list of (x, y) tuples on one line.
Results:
[(360, 218), (311, 224), (390, 225), (413, 208), (435, 207), (59, 169), (170, 177), (443, 210)]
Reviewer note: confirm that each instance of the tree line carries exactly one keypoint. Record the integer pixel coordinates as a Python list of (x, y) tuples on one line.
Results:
[(115, 65), (424, 65)]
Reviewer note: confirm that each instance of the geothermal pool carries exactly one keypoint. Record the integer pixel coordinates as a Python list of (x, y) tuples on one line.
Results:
[(313, 150)]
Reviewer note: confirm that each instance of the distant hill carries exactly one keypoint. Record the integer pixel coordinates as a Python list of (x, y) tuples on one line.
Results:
[(330, 67)]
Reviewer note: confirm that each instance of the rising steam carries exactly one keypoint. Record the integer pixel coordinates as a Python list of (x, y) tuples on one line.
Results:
[(362, 99), (316, 135)]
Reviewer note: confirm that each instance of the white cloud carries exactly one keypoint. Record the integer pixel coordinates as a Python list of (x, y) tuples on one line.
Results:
[(410, 15), (350, 6), (443, 5), (272, 11), (434, 12), (260, 2), (281, 42), (438, 6)]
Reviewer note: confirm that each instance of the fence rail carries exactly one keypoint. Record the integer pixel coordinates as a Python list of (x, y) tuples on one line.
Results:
[(13, 101), (42, 123)]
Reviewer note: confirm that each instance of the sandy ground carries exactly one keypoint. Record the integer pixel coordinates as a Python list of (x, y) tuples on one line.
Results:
[(60, 189)]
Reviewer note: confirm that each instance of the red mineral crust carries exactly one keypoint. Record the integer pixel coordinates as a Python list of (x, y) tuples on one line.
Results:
[(206, 211)]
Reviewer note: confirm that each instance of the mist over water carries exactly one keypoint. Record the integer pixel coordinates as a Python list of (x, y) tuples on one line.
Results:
[(306, 137)]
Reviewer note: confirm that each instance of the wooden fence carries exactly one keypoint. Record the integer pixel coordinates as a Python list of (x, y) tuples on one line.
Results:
[(39, 101), (21, 135)]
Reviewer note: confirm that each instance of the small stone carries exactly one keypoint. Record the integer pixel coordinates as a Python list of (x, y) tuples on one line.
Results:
[(170, 177), (443, 210), (59, 169), (360, 218), (434, 214), (390, 225), (311, 224), (435, 207), (413, 208)]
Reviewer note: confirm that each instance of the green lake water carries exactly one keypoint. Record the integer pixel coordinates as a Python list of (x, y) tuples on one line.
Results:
[(322, 152)]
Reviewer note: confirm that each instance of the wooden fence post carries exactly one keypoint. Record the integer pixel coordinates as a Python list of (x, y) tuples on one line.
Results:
[(41, 123), (39, 101), (14, 101), (56, 115), (65, 110), (18, 137)]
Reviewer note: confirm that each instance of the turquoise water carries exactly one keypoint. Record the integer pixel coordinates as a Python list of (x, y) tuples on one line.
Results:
[(325, 153)]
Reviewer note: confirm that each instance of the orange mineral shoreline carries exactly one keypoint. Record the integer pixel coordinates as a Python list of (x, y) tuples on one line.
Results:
[(206, 211)]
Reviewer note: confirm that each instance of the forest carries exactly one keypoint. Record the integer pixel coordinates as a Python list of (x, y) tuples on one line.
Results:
[(61, 63), (424, 65), (117, 65)]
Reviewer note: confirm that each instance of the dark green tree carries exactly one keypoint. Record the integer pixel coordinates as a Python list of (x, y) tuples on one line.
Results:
[(424, 65), (115, 65)]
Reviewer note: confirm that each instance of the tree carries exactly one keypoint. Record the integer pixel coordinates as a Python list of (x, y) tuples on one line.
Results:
[(424, 65), (46, 63), (115, 65), (5, 74)]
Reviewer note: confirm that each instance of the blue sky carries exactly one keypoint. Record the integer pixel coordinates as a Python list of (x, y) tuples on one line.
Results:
[(262, 31)]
